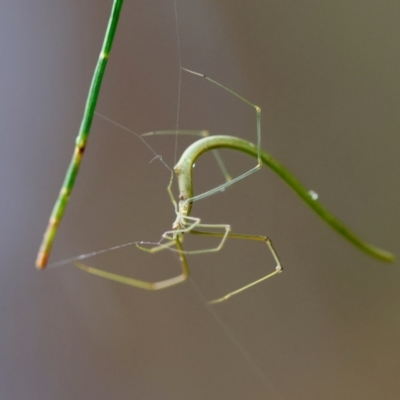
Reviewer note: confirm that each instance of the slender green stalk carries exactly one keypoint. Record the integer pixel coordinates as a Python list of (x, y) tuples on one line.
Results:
[(184, 169), (81, 140)]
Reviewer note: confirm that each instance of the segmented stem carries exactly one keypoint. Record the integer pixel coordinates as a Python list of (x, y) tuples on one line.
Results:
[(184, 169), (81, 140)]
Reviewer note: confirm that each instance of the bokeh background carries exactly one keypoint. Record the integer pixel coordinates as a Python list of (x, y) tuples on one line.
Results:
[(326, 75)]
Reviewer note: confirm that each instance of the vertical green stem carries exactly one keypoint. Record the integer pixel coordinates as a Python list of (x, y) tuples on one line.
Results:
[(81, 140)]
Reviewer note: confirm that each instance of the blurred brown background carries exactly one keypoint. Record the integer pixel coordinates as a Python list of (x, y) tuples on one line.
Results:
[(326, 75)]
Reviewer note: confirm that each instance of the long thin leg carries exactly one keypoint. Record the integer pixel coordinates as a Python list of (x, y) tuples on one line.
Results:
[(142, 284), (278, 268), (81, 140), (258, 120)]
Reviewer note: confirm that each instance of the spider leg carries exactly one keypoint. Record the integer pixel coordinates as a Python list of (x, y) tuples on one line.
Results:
[(268, 242), (139, 283)]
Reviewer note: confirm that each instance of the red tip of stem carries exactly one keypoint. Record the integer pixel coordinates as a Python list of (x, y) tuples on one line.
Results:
[(41, 261)]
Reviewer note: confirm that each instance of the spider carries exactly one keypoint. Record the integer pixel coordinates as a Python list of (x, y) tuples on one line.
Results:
[(184, 222)]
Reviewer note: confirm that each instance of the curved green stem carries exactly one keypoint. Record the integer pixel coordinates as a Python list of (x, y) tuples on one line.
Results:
[(81, 140), (183, 170)]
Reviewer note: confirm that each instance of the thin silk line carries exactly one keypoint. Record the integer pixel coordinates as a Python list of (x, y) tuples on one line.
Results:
[(227, 331), (236, 343), (156, 156), (178, 41), (70, 260)]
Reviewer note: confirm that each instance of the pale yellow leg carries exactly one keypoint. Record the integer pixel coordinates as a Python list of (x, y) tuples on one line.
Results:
[(278, 268), (138, 283)]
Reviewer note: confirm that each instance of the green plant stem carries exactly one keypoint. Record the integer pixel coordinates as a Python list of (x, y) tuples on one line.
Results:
[(81, 140), (184, 169)]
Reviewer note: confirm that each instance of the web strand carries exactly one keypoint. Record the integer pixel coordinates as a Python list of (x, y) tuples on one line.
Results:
[(178, 42), (70, 260), (236, 343), (156, 155), (222, 325)]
